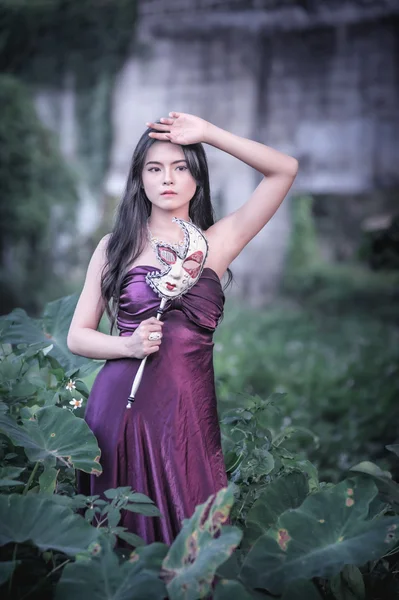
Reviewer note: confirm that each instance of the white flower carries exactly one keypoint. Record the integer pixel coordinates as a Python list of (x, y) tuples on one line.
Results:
[(76, 403), (71, 385)]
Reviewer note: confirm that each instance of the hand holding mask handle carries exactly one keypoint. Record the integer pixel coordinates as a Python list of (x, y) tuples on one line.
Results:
[(139, 374), (184, 267)]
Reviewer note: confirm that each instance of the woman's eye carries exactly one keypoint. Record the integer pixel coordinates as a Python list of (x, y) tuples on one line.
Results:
[(153, 169), (184, 168)]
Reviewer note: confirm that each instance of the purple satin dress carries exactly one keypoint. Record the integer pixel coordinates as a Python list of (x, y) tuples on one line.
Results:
[(168, 445)]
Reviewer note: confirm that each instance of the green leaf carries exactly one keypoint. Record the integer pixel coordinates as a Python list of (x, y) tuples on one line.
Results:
[(23, 389), (52, 329), (196, 553), (46, 524), (281, 494), (82, 388), (9, 476), (103, 578), (329, 530), (389, 490), (228, 589), (149, 510), (48, 478), (55, 433), (117, 492), (131, 538), (393, 448), (348, 585), (6, 570), (140, 498), (302, 590), (114, 516)]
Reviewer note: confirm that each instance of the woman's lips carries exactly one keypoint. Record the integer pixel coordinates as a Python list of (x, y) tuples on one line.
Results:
[(168, 194), (170, 286)]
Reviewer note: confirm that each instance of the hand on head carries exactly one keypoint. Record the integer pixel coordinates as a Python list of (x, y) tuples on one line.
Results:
[(179, 128)]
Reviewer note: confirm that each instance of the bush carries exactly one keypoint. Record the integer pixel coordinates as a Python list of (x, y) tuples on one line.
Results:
[(338, 374), (48, 550)]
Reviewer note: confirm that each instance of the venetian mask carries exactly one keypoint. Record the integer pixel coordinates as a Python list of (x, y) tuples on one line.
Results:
[(183, 264)]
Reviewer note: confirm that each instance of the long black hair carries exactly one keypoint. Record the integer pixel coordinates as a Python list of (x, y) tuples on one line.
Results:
[(129, 235)]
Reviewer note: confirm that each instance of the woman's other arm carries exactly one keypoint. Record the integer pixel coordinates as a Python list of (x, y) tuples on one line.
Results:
[(83, 337), (279, 171)]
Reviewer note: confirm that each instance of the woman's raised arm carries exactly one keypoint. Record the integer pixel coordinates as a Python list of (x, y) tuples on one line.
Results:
[(279, 170), (232, 233)]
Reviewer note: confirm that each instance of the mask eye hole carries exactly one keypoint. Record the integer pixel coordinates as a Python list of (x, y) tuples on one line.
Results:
[(192, 264), (192, 268), (166, 255)]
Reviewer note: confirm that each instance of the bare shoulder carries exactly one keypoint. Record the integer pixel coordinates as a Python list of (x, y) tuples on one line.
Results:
[(102, 246), (103, 243), (90, 306)]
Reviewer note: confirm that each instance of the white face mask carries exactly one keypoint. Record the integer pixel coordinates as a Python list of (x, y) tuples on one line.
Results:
[(183, 267)]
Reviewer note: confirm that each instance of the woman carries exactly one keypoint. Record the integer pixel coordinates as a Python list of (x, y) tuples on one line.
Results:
[(168, 445)]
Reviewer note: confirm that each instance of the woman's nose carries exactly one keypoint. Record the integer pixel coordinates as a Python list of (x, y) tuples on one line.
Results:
[(168, 178)]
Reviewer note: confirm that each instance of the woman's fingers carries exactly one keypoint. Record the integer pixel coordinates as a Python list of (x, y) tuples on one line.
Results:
[(158, 126), (160, 136), (152, 350), (153, 320)]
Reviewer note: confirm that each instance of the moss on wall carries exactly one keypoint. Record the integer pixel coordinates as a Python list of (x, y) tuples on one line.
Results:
[(42, 42)]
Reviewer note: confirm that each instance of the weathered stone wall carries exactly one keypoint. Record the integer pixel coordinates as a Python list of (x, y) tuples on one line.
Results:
[(316, 79), (327, 94), (334, 94)]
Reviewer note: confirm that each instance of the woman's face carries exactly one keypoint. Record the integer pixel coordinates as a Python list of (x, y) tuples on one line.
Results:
[(166, 170)]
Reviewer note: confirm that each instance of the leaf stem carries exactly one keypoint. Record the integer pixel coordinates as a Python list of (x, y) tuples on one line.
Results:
[(27, 486), (14, 557)]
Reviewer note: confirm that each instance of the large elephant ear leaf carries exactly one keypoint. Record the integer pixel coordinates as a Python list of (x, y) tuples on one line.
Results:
[(393, 448), (389, 489), (286, 492), (341, 534), (104, 577), (201, 546), (302, 590), (229, 589), (55, 433), (9, 476), (51, 329), (6, 569), (38, 519)]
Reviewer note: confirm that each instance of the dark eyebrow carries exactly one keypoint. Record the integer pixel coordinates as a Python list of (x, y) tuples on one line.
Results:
[(154, 162)]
